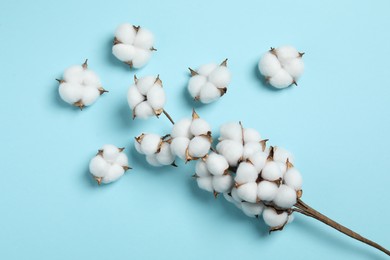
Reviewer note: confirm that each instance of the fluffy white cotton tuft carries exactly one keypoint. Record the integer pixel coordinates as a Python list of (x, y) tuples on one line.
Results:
[(133, 45), (205, 183), (266, 190), (182, 128), (152, 160), (286, 197), (258, 159), (281, 155), (273, 219), (222, 183), (216, 164), (199, 126), (199, 146), (293, 178), (232, 131), (179, 146), (150, 143), (231, 150), (201, 169), (245, 173), (252, 209), (251, 148), (251, 135), (248, 192), (165, 156), (271, 171)]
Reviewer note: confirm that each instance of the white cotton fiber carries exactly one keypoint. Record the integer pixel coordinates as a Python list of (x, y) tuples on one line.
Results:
[(286, 53), (165, 156), (206, 69), (98, 166), (145, 83), (222, 183), (141, 57), (110, 152), (286, 197), (179, 146), (199, 126), (124, 52), (91, 78), (245, 173), (281, 155), (269, 65), (74, 74), (251, 148), (235, 195), (229, 197), (271, 171), (143, 110), (251, 135), (125, 33), (90, 95), (273, 219), (220, 76), (281, 79), (199, 146), (231, 150), (209, 93), (150, 143), (152, 160), (114, 173), (144, 39), (156, 97), (248, 192), (258, 159), (294, 67), (201, 169), (293, 179), (252, 209), (70, 93), (182, 128), (195, 85), (134, 97), (216, 164), (121, 159), (205, 183), (266, 190), (232, 131)]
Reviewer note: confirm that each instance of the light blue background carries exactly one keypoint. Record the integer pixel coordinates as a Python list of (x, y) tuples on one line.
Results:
[(336, 122)]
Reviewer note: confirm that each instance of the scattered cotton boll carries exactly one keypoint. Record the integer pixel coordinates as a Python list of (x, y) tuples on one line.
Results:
[(258, 159), (209, 93), (252, 209), (248, 192), (179, 146), (251, 148), (109, 164), (222, 183), (165, 156), (251, 135), (286, 197), (182, 128), (216, 164), (232, 131), (201, 169), (152, 160), (220, 76), (134, 98), (293, 179), (199, 126), (150, 143), (231, 150), (269, 65), (281, 155), (143, 110), (266, 190), (156, 97), (273, 219), (205, 183), (133, 45), (80, 86), (199, 146), (245, 173), (271, 171)]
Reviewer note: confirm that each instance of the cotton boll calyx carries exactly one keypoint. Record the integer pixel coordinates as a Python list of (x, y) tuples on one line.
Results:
[(281, 66), (133, 45), (209, 82), (80, 86), (109, 164), (146, 97)]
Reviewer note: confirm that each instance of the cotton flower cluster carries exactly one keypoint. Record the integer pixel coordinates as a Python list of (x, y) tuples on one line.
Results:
[(80, 86), (157, 149), (209, 82), (191, 138), (133, 45), (146, 97), (282, 66), (109, 164)]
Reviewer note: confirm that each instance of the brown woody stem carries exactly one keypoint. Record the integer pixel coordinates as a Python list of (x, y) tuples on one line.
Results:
[(309, 211), (169, 117)]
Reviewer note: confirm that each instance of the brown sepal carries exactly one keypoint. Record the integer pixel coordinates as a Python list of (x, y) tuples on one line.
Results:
[(224, 63), (79, 104), (85, 64), (193, 72)]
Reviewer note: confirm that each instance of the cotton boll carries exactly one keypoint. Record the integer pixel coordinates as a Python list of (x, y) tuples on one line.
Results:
[(251, 135), (182, 128), (281, 79), (281, 155), (150, 143), (134, 97), (294, 67), (206, 69), (293, 179), (232, 131), (152, 160), (156, 97), (273, 219), (231, 150), (90, 95), (252, 209), (98, 166), (220, 76), (271, 171), (286, 197), (70, 93), (125, 33), (248, 192), (266, 191), (145, 83), (209, 93), (258, 159), (286, 53), (205, 183), (216, 164), (165, 156), (74, 74), (195, 84), (269, 65), (144, 39), (122, 160), (199, 126), (222, 183), (201, 169), (251, 148), (143, 110), (123, 52), (199, 146), (141, 57), (179, 146), (110, 152), (114, 173), (245, 173)]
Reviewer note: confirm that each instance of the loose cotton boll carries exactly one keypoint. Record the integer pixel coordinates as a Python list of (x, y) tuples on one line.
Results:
[(133, 45), (80, 86), (281, 66), (209, 82), (273, 219), (286, 197), (109, 164), (146, 97)]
